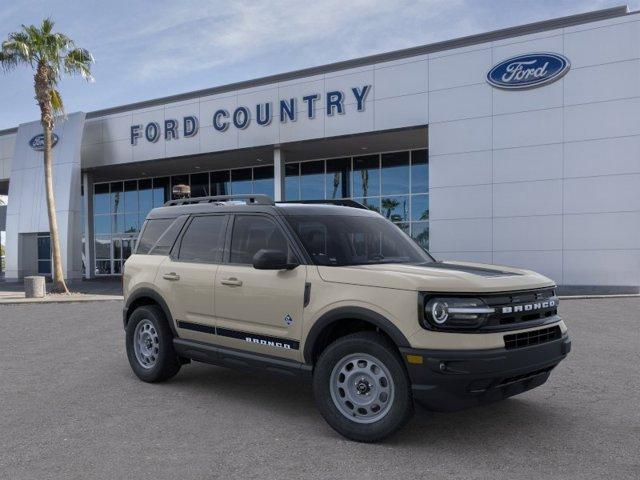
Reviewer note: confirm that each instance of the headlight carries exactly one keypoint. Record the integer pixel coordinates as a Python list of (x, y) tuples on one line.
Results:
[(456, 312)]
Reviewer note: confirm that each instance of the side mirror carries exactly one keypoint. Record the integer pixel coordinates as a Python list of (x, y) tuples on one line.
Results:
[(272, 260)]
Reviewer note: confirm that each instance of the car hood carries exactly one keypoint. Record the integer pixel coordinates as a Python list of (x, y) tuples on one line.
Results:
[(458, 277)]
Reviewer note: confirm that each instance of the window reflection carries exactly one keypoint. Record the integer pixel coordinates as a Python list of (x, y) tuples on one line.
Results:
[(419, 171), (241, 181), (395, 209), (263, 180), (419, 207), (366, 176), (395, 173), (292, 181), (311, 180), (338, 178)]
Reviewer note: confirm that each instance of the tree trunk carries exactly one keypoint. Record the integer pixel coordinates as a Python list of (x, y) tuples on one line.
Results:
[(43, 96)]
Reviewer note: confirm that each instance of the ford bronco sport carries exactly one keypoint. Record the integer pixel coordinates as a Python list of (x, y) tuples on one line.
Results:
[(337, 294)]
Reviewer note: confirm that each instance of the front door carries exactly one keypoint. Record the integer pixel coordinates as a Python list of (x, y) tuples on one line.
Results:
[(187, 277), (262, 308)]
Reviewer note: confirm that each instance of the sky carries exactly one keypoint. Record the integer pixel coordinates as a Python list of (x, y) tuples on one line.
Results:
[(149, 49)]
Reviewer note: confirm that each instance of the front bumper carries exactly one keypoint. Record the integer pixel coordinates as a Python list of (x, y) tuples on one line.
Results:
[(449, 380)]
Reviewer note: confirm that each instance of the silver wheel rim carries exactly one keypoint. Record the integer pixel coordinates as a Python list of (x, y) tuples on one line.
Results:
[(362, 388), (146, 344)]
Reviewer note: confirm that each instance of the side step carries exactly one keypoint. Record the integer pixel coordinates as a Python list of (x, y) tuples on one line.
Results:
[(241, 360)]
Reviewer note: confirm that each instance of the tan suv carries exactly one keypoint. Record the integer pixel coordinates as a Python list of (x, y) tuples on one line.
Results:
[(339, 295)]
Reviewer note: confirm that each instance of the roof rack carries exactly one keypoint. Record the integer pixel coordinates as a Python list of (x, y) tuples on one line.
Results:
[(257, 199), (343, 202)]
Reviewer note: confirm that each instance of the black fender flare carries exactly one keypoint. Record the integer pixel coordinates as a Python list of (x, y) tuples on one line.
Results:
[(355, 313), (145, 292)]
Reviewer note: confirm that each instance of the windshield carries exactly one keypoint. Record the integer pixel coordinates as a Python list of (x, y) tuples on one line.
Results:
[(340, 240)]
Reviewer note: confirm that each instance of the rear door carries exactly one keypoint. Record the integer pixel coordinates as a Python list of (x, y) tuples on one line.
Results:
[(187, 276), (259, 310)]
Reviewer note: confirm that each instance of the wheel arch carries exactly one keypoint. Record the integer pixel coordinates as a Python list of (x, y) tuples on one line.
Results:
[(147, 296), (329, 320)]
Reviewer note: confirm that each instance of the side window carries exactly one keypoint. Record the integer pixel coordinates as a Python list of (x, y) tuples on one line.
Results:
[(152, 231), (253, 233), (168, 238), (204, 240)]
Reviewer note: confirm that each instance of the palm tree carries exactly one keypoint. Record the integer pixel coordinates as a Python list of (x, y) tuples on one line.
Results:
[(49, 54)]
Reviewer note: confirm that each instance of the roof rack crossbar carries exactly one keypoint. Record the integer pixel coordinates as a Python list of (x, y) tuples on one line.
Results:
[(343, 202), (257, 199)]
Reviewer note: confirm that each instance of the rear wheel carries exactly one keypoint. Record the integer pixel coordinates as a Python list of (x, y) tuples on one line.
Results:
[(150, 345), (361, 387)]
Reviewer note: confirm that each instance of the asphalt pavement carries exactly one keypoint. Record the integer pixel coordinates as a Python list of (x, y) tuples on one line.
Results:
[(70, 408)]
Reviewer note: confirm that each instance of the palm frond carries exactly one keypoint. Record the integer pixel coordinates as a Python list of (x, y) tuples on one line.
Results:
[(56, 102), (78, 61)]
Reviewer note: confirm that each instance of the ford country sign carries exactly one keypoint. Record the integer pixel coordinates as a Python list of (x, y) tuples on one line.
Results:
[(37, 142), (528, 71)]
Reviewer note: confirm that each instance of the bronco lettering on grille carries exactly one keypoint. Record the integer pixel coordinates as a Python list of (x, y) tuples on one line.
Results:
[(529, 307)]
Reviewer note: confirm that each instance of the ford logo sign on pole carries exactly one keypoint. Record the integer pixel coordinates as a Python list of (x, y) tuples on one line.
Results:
[(37, 142), (528, 71)]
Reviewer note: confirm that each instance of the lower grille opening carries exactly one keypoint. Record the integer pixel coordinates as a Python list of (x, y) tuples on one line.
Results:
[(535, 337), (525, 376)]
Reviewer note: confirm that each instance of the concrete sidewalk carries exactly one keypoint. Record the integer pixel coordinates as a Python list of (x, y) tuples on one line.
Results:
[(81, 291)]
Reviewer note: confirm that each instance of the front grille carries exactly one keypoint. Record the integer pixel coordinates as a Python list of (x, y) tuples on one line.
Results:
[(535, 337), (520, 307)]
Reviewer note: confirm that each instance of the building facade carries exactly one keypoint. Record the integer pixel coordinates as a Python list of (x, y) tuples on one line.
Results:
[(517, 147)]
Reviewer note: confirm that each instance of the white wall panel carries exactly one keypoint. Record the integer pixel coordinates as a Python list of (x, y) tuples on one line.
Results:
[(459, 69), (599, 83), (601, 267), (542, 232), (508, 101), (548, 263), (460, 136), (528, 128), (602, 231), (465, 235), (527, 198), (402, 79), (540, 162), (459, 103), (398, 112), (603, 45), (602, 157), (601, 120), (473, 168), (612, 193), (460, 202)]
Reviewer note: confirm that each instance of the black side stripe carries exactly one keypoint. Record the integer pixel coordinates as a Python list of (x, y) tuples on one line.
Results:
[(266, 340)]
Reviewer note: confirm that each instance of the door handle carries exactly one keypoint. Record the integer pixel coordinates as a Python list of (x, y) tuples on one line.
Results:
[(173, 276), (231, 281)]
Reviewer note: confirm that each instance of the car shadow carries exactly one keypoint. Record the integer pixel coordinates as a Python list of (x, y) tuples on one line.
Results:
[(503, 421)]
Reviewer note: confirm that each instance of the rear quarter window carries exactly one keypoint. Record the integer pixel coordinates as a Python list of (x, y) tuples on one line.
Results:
[(159, 235)]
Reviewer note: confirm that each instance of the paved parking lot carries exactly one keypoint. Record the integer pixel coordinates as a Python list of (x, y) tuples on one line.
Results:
[(71, 408)]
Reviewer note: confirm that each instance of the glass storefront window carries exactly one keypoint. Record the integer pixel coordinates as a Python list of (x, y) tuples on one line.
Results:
[(292, 181), (220, 183), (199, 184), (145, 198), (102, 224), (101, 198), (394, 184), (420, 233), (419, 171), (116, 197), (312, 180), (366, 176), (263, 180), (395, 209), (419, 207), (338, 178), (241, 181), (395, 173), (131, 196), (160, 191)]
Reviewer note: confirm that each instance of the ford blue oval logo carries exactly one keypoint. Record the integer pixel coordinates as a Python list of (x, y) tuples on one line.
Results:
[(37, 142), (528, 71)]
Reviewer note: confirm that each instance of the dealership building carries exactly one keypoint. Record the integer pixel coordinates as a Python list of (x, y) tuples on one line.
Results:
[(517, 147)]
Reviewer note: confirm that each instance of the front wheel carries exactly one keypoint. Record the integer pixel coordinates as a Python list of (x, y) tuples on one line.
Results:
[(361, 387), (150, 345)]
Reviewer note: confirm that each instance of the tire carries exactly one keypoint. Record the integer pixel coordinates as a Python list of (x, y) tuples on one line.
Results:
[(363, 369), (152, 358)]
